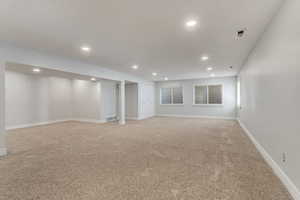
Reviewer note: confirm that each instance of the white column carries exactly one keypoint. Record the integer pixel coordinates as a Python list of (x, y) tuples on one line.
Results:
[(2, 109), (122, 102), (139, 85)]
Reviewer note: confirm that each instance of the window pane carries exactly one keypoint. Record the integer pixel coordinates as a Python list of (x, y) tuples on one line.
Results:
[(166, 97), (200, 95), (215, 94), (177, 96)]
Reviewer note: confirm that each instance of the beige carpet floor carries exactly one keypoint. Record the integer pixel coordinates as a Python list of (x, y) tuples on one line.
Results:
[(154, 159)]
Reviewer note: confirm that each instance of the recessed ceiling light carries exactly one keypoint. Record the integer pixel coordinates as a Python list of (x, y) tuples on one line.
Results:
[(209, 68), (154, 74), (204, 58), (212, 75), (191, 23), (36, 70), (166, 78), (93, 79), (135, 67), (86, 48)]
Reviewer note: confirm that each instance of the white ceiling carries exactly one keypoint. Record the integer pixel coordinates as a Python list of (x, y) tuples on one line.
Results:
[(150, 33), (28, 69)]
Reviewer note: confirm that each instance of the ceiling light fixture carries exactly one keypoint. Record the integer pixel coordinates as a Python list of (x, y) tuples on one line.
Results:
[(135, 67), (191, 23), (154, 74), (166, 78), (209, 68), (86, 49), (93, 79), (204, 58), (36, 70)]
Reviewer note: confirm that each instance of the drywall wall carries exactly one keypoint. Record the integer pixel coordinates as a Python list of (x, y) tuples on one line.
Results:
[(109, 103), (131, 101), (270, 82), (227, 110), (86, 99), (2, 109), (35, 99), (146, 97), (59, 94), (32, 99)]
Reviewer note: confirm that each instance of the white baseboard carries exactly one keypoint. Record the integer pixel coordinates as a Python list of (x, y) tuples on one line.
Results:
[(88, 120), (53, 122), (146, 117), (111, 116), (139, 118), (197, 116), (291, 187), (36, 124), (3, 151), (132, 118)]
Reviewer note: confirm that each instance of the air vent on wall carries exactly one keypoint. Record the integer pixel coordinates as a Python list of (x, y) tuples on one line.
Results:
[(241, 33), (111, 119)]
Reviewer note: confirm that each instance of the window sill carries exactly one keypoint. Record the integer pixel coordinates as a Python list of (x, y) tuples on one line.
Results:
[(171, 104), (209, 105)]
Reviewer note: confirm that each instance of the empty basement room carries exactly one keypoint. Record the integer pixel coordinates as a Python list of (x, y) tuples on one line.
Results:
[(149, 100)]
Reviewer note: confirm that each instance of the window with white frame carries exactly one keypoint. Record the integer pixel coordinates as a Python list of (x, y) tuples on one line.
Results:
[(208, 94), (171, 96)]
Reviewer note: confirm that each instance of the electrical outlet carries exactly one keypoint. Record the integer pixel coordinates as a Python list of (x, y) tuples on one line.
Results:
[(284, 157)]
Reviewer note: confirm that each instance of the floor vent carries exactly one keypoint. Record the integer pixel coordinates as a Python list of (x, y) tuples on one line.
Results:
[(111, 119)]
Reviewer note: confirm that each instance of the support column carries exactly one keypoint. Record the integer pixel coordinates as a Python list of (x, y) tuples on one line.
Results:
[(140, 116), (2, 109), (122, 102)]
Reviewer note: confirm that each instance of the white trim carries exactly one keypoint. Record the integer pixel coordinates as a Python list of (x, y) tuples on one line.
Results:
[(3, 151), (138, 118), (197, 116), (132, 118), (291, 187), (53, 122), (172, 104), (36, 124), (209, 105), (146, 117), (88, 120), (110, 116), (122, 122)]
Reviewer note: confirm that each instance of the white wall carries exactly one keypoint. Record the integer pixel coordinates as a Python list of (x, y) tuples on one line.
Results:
[(109, 98), (86, 98), (131, 101), (270, 83), (59, 98), (34, 99), (146, 97), (228, 110), (2, 109)]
